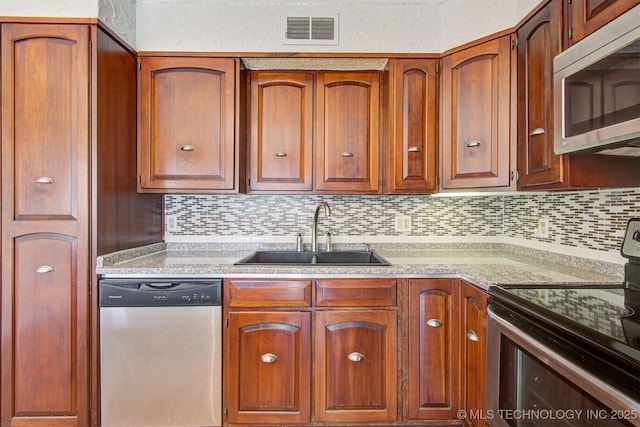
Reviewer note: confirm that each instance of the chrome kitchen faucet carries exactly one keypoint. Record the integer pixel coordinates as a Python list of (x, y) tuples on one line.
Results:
[(314, 227)]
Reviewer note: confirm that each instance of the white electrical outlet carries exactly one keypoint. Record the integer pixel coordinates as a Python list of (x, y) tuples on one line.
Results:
[(403, 223), (543, 228), (171, 223)]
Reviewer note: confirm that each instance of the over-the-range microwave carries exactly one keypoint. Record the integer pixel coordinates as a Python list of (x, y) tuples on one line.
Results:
[(597, 91)]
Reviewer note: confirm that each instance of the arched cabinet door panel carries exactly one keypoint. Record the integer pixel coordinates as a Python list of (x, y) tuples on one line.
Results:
[(269, 367), (349, 346), (187, 136), (476, 116), (45, 119), (47, 345)]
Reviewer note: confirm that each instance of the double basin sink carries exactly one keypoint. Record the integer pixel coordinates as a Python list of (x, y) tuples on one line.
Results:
[(336, 258)]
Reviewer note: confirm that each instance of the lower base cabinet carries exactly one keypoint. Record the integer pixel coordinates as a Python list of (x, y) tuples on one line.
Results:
[(346, 352), (356, 372), (433, 347), (473, 321), (446, 349), (270, 368)]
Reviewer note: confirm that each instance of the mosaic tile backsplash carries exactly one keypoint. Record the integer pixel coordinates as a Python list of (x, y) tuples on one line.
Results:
[(594, 220)]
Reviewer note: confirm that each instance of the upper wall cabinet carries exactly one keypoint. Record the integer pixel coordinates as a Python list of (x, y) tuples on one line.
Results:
[(281, 131), (413, 113), (539, 41), (187, 124), (341, 156), (347, 131), (476, 116), (583, 17)]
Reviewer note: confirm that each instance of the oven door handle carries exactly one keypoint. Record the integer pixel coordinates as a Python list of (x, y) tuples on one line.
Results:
[(596, 387)]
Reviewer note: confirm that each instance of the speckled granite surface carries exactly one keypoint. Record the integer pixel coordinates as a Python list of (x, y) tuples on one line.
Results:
[(483, 265)]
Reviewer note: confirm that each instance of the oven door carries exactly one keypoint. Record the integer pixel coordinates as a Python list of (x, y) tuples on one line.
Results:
[(530, 382)]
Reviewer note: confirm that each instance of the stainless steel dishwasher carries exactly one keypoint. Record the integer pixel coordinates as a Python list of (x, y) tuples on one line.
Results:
[(160, 352)]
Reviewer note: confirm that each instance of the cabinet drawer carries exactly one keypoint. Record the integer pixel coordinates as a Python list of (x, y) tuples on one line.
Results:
[(268, 293), (356, 292)]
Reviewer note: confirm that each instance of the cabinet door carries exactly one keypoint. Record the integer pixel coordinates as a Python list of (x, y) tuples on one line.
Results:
[(476, 137), (269, 357), (347, 131), (433, 349), (356, 377), (44, 332), (281, 131), (45, 200), (583, 17), (539, 41), (187, 124), (413, 105), (473, 313), (45, 119)]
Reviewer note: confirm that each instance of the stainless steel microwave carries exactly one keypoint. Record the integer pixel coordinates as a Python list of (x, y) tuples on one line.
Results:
[(597, 90)]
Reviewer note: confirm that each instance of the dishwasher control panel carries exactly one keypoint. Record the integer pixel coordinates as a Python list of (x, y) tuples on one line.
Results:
[(160, 293)]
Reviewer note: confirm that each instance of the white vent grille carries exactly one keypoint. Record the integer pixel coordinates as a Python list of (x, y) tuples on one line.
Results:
[(312, 30)]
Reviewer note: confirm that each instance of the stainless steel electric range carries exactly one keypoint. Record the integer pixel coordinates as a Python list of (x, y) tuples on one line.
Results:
[(567, 355)]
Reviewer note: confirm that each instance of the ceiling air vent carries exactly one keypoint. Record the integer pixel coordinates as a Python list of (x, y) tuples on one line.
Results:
[(316, 30)]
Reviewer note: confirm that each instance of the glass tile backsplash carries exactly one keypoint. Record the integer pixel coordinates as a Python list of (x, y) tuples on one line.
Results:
[(586, 219)]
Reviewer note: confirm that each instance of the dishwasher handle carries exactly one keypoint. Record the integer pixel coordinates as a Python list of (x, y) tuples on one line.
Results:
[(160, 293)]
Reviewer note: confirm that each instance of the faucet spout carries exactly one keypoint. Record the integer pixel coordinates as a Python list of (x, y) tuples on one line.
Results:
[(314, 227)]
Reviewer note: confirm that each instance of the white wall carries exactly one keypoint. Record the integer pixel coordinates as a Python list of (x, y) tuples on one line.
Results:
[(56, 8), (427, 26), (413, 26), (119, 15)]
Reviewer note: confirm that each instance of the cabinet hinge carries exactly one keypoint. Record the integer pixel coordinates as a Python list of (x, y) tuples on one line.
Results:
[(570, 33), (514, 42), (515, 175)]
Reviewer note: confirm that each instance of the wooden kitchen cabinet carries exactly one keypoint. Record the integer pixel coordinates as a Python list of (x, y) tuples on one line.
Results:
[(411, 165), (347, 142), (476, 116), (355, 366), (269, 367), (187, 125), (446, 349), (269, 375), (281, 131), (539, 41), (433, 348), (267, 351), (355, 353), (473, 322), (314, 131), (68, 188), (583, 17)]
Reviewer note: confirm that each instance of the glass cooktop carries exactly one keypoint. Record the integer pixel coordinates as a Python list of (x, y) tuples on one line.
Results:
[(606, 315)]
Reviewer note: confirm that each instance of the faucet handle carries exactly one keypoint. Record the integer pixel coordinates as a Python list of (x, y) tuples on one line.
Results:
[(299, 243), (329, 246), (367, 246)]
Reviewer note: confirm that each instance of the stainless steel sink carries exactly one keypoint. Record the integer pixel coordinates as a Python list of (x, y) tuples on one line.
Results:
[(341, 258)]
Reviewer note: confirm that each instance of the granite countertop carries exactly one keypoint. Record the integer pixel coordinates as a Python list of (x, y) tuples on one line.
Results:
[(482, 265)]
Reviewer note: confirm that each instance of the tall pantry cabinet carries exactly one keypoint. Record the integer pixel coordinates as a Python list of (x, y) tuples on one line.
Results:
[(68, 195)]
